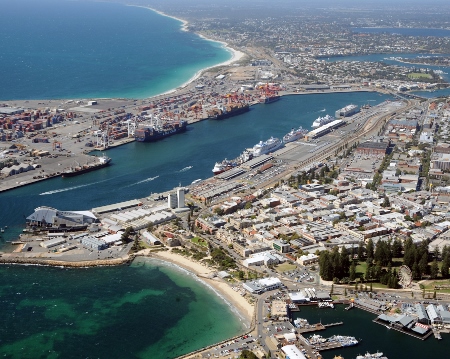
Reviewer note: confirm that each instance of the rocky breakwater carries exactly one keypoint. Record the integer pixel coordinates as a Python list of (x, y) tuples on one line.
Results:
[(5, 259)]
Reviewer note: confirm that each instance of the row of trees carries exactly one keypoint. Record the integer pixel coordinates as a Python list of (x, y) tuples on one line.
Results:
[(334, 264), (324, 175)]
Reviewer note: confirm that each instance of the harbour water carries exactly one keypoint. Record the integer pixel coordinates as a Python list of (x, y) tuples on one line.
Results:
[(138, 169), (82, 49), (407, 31), (375, 337), (390, 59), (147, 310)]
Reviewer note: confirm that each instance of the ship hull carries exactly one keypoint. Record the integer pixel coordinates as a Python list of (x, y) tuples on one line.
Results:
[(236, 112), (84, 170), (270, 99), (149, 135)]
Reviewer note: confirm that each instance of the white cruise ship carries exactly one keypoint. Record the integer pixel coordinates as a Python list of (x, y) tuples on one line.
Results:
[(322, 121), (295, 135), (263, 147)]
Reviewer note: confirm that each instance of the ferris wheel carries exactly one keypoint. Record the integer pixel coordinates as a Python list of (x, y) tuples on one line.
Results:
[(404, 276)]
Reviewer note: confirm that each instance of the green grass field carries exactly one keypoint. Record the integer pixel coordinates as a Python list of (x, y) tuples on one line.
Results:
[(285, 267), (200, 241), (419, 75)]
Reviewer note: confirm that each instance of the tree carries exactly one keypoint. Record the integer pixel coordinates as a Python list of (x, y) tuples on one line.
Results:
[(434, 270), (386, 202), (423, 264), (360, 250), (410, 255), (415, 271), (396, 248), (247, 354), (326, 267), (370, 248), (352, 271), (125, 237), (445, 266), (344, 262), (136, 245)]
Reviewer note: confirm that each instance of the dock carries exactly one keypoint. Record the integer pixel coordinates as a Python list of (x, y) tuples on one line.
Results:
[(311, 328), (328, 346), (437, 335), (333, 324), (401, 330)]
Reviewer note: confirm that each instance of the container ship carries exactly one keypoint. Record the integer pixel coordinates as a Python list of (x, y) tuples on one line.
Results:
[(322, 121), (348, 110), (269, 99), (295, 135), (222, 112), (88, 167), (226, 165), (263, 147), (156, 131)]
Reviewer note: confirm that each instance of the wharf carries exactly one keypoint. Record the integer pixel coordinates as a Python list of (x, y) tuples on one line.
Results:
[(401, 330), (311, 328), (437, 335), (333, 324), (328, 346)]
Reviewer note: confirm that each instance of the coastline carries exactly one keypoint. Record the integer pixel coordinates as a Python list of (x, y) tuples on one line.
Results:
[(240, 304), (236, 55)]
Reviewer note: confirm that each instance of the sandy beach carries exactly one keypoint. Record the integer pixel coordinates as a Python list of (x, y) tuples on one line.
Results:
[(234, 298), (235, 54)]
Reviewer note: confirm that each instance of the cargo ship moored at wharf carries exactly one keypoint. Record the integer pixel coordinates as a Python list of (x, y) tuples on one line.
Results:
[(269, 99), (154, 132), (223, 112), (78, 169), (346, 111)]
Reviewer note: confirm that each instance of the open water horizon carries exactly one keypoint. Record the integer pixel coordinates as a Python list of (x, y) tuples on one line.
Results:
[(87, 49)]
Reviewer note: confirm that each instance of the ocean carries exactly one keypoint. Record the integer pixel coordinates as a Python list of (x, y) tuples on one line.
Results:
[(149, 310), (57, 49), (88, 311)]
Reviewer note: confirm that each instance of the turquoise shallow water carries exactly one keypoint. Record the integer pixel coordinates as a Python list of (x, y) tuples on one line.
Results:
[(79, 49), (147, 310)]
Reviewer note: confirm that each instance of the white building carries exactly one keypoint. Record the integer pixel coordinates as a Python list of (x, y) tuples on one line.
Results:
[(176, 200), (262, 285), (307, 259), (292, 352)]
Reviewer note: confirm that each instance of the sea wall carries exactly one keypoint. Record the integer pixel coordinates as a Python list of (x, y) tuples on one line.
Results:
[(56, 263)]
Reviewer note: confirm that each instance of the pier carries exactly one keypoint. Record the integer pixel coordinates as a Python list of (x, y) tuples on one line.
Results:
[(401, 330), (333, 324), (311, 328)]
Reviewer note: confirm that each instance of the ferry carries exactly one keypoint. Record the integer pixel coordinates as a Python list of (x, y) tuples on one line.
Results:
[(321, 121), (295, 135), (263, 147)]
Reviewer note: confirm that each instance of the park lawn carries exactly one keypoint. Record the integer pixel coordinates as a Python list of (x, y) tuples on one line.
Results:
[(378, 285), (200, 241), (361, 269), (419, 75), (285, 267), (429, 284), (145, 245)]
